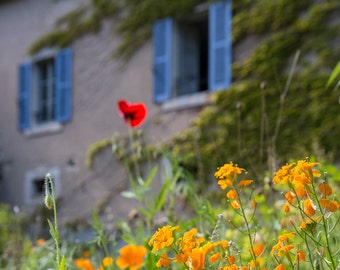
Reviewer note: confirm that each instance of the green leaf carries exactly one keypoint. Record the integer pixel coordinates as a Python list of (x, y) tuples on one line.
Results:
[(129, 194), (334, 74), (52, 230), (151, 176), (62, 265), (161, 196)]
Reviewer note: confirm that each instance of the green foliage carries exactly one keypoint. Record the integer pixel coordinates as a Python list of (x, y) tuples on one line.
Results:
[(240, 125), (75, 24), (12, 241)]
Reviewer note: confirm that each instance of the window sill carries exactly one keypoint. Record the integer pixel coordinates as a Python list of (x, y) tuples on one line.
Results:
[(187, 102), (45, 129)]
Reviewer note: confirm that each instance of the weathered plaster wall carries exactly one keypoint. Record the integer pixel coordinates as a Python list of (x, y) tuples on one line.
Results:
[(98, 82)]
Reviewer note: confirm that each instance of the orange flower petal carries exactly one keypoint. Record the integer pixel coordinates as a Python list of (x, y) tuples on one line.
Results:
[(245, 183), (325, 189)]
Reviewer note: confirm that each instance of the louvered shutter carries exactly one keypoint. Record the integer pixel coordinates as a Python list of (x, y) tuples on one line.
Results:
[(25, 88), (220, 45), (63, 85), (162, 64)]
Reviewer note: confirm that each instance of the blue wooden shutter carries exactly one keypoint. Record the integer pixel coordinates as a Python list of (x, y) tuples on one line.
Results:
[(162, 64), (25, 85), (220, 45), (63, 84)]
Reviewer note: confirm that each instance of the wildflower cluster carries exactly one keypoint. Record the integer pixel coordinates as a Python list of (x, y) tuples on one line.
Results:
[(131, 257), (189, 249), (311, 197)]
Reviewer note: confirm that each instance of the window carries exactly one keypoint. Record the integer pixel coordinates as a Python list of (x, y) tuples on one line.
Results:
[(45, 89), (34, 188), (192, 55)]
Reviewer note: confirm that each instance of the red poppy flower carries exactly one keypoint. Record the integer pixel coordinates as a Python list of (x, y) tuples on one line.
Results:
[(133, 113)]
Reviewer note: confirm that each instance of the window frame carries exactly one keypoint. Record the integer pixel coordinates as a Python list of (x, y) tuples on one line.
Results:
[(164, 57), (29, 88), (30, 196)]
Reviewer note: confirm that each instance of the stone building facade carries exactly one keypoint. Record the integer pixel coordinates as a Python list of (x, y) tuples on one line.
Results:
[(97, 83)]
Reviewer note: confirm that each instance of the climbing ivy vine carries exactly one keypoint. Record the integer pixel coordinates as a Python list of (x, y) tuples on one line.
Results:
[(241, 123)]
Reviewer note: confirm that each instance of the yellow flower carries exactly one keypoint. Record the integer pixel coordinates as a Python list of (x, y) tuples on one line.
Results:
[(131, 257), (163, 237), (84, 264)]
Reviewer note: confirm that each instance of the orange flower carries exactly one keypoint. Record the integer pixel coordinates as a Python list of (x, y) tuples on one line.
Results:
[(197, 256), (107, 261), (164, 261), (245, 183), (236, 204), (300, 256), (40, 242), (86, 254), (230, 267), (284, 250), (285, 236), (163, 237), (280, 267), (84, 264), (258, 249), (231, 259), (131, 257), (258, 262), (227, 171), (290, 196), (309, 207), (227, 175), (329, 205), (304, 225), (282, 239), (231, 194), (189, 240), (286, 208), (325, 189), (283, 175), (215, 257)]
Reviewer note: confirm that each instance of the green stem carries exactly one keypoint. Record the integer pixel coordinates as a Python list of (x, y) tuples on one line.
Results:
[(324, 222), (56, 229), (253, 255)]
